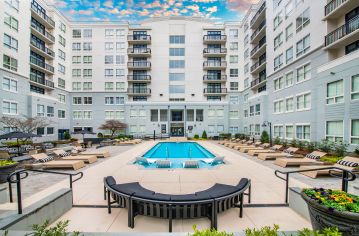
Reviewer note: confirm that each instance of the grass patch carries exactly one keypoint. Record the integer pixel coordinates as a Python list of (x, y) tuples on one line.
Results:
[(330, 159)]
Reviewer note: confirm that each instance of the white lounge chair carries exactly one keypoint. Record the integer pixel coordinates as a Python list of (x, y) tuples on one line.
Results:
[(163, 164), (146, 161), (213, 161), (190, 164)]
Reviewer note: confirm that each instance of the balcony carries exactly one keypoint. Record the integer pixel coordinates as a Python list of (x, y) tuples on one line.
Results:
[(41, 66), (44, 19), (215, 52), (337, 8), (214, 78), (139, 39), (143, 52), (259, 49), (258, 66), (42, 50), (214, 65), (139, 91), (41, 82), (139, 78), (258, 33), (139, 65), (260, 15), (44, 35), (215, 91), (215, 38), (258, 82), (344, 35)]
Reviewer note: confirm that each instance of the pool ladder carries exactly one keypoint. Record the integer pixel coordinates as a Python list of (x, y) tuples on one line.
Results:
[(167, 153)]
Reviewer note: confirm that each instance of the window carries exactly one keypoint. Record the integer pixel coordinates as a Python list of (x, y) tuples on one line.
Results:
[(163, 115), (62, 98), (87, 33), (176, 76), (334, 131), (40, 110), (355, 87), (120, 86), (62, 41), (233, 46), (62, 27), (278, 62), (335, 92), (245, 97), (289, 8), (114, 115), (303, 73), (177, 51), (11, 22), (354, 134), (13, 3), (233, 86), (233, 114), (289, 132), (87, 115), (303, 102), (278, 83), (120, 46), (303, 45), (50, 111), (278, 40), (176, 89), (279, 106), (190, 115), (76, 100), (120, 32), (154, 115), (87, 46), (233, 100), (9, 63), (10, 42), (108, 46), (176, 63), (40, 131), (76, 59), (9, 84), (199, 115), (289, 79), (87, 72), (50, 130), (109, 32), (177, 39), (246, 82), (76, 46), (289, 104), (277, 20), (62, 54), (87, 59), (303, 132), (258, 109), (120, 59), (76, 72), (233, 33), (120, 72), (233, 59), (61, 83), (289, 32), (108, 72), (87, 100), (108, 86), (233, 72), (76, 86), (278, 131), (76, 33), (9, 108), (77, 115), (61, 114), (303, 20), (289, 55)]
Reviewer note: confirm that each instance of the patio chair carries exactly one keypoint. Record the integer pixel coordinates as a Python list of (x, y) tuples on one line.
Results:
[(347, 163), (289, 152), (99, 154), (216, 160), (232, 142), (145, 161), (163, 164), (310, 159), (272, 149), (190, 164), (49, 163), (239, 146), (67, 156), (253, 147)]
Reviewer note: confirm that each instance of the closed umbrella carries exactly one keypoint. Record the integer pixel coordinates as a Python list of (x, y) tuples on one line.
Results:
[(18, 135)]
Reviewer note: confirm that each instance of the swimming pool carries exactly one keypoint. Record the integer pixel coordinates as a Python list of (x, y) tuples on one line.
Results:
[(177, 153)]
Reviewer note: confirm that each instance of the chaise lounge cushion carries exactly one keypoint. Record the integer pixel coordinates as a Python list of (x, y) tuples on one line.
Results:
[(184, 197), (220, 190), (110, 181), (134, 189)]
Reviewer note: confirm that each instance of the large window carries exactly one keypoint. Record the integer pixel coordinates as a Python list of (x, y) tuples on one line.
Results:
[(289, 32), (303, 102), (9, 84), (177, 89), (10, 42), (9, 63), (279, 106), (234, 114), (278, 62), (354, 134), (176, 63), (177, 51), (176, 76), (278, 20), (289, 132), (177, 39), (11, 22), (278, 131), (334, 131), (355, 87), (303, 20), (303, 45), (335, 92), (278, 40), (303, 132), (278, 83), (114, 115), (289, 79), (289, 104), (154, 115), (9, 108), (303, 73)]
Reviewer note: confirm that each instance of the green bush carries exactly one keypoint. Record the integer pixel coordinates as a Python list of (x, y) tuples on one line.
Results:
[(196, 136), (204, 134), (284, 143), (99, 135), (264, 231), (225, 136), (264, 137), (311, 146), (7, 162), (340, 148), (67, 136), (125, 136), (293, 143), (276, 141), (326, 232), (209, 232), (356, 151), (330, 159), (14, 143), (240, 136), (325, 146), (300, 145), (58, 230)]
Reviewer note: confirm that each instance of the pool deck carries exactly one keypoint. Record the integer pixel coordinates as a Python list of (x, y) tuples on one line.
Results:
[(266, 189)]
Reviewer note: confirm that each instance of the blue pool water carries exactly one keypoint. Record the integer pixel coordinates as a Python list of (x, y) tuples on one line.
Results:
[(177, 153)]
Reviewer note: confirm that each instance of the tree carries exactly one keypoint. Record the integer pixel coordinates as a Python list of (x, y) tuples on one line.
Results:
[(204, 134), (264, 137), (113, 126), (25, 124)]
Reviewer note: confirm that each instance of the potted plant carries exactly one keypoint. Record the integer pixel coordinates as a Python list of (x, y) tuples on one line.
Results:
[(333, 208), (6, 168)]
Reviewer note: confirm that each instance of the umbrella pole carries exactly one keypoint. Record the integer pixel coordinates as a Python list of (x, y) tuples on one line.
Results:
[(18, 147)]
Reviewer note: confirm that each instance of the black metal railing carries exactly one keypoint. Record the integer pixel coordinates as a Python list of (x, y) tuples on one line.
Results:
[(258, 81), (332, 5), (139, 50), (41, 64), (259, 45), (344, 174), (42, 81), (260, 10), (17, 176), (215, 50), (139, 77), (139, 37), (45, 33), (43, 48), (260, 27), (215, 37), (139, 64), (349, 27), (258, 64), (215, 90), (215, 77), (139, 90), (215, 64), (43, 15)]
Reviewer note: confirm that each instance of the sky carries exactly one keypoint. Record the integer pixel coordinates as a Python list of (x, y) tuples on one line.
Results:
[(139, 10)]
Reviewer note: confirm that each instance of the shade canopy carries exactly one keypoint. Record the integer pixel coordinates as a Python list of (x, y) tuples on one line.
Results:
[(18, 135)]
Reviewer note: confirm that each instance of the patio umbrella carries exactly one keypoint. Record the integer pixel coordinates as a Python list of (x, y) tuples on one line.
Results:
[(18, 135), (83, 132)]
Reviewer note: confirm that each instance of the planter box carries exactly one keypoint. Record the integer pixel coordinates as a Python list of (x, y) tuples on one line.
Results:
[(5, 171), (321, 217)]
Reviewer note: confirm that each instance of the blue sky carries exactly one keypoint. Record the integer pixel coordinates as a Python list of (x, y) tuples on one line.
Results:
[(138, 10)]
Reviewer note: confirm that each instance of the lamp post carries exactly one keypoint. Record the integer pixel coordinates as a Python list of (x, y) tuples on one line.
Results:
[(265, 124)]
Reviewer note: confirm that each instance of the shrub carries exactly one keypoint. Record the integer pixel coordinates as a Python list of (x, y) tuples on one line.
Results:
[(276, 141), (293, 143), (300, 145), (330, 159), (225, 136), (59, 229), (99, 135), (240, 136), (14, 143), (264, 137), (264, 231), (209, 232), (311, 146), (204, 134), (67, 135), (340, 148), (325, 146), (7, 162), (196, 136), (284, 143), (356, 151), (326, 232)]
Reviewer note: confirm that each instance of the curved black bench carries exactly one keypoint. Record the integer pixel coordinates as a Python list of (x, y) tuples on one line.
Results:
[(207, 203)]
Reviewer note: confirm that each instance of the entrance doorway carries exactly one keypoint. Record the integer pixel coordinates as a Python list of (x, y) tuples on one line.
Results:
[(177, 130)]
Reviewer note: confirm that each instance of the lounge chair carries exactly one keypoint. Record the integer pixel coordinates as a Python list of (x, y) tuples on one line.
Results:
[(145, 161), (99, 154), (344, 164), (310, 159), (289, 152), (67, 156), (163, 164), (190, 164), (253, 147), (49, 163), (239, 146), (216, 160), (275, 148), (227, 144)]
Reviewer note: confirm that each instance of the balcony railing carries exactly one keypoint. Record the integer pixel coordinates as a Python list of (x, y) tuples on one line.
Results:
[(139, 37), (215, 37), (41, 81), (260, 10), (215, 50), (43, 48), (215, 90), (260, 27), (349, 27), (44, 33), (258, 64), (332, 5), (259, 45), (215, 78), (138, 77), (41, 64), (139, 64), (142, 91), (215, 64), (139, 50), (48, 19), (258, 81)]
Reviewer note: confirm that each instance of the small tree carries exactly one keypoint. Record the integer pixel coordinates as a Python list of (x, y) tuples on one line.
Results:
[(25, 124), (325, 146), (284, 143), (204, 134), (196, 136), (264, 137), (113, 126), (67, 136), (276, 141), (340, 148)]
